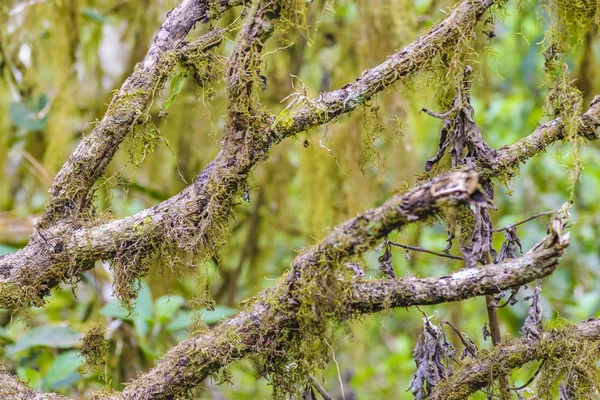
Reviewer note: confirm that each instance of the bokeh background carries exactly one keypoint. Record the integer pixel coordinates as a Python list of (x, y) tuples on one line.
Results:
[(61, 60)]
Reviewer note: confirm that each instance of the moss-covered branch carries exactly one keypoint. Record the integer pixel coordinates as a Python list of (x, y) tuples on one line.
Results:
[(552, 345), (194, 220), (12, 387), (71, 192), (263, 326), (444, 37), (243, 66), (540, 262), (509, 157)]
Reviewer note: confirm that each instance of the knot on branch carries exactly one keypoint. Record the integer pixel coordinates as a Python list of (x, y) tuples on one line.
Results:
[(448, 189)]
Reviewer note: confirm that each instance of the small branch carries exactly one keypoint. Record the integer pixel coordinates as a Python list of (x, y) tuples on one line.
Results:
[(464, 341), (414, 58), (535, 374), (422, 250), (320, 388), (243, 65), (526, 220)]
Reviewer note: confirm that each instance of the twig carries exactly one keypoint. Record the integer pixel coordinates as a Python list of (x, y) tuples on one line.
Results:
[(467, 345), (338, 369), (513, 294), (422, 250), (319, 388), (523, 386), (526, 220)]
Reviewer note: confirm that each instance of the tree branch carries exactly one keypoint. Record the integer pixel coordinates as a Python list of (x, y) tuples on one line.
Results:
[(243, 66), (512, 355), (509, 157), (260, 327), (70, 194), (197, 218), (414, 58)]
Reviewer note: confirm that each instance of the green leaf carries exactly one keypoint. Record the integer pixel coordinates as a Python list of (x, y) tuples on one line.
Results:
[(280, 116), (174, 89), (31, 376), (115, 310), (183, 320), (94, 15), (62, 370), (220, 312), (141, 310), (26, 115), (59, 337), (166, 307)]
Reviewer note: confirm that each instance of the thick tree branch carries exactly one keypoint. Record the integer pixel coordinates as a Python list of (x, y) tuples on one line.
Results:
[(414, 58), (259, 328), (512, 355), (196, 218)]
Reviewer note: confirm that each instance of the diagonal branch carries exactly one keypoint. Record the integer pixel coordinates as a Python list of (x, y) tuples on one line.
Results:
[(414, 58), (260, 327), (272, 316), (509, 157)]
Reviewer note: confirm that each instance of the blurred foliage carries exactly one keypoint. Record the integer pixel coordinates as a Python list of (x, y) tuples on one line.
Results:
[(59, 64)]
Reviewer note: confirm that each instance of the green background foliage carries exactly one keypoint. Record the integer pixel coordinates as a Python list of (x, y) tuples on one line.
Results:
[(61, 61)]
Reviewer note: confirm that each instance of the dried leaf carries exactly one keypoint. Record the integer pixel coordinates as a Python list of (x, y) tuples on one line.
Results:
[(533, 322), (470, 349), (385, 262), (486, 332), (429, 354), (460, 131), (511, 244)]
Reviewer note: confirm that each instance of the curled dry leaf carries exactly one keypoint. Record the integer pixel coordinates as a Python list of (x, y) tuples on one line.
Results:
[(509, 248), (460, 132), (430, 357), (385, 262), (533, 322)]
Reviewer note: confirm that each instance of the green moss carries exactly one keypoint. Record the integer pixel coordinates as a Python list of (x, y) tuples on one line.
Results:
[(94, 347), (372, 134), (15, 297)]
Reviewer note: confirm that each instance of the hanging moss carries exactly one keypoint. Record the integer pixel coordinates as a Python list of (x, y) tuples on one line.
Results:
[(372, 134), (94, 347)]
